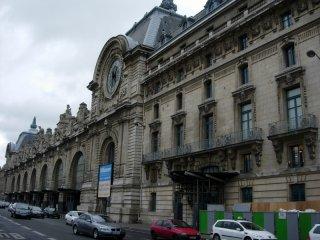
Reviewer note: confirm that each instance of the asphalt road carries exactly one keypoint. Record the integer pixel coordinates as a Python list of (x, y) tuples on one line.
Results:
[(49, 229)]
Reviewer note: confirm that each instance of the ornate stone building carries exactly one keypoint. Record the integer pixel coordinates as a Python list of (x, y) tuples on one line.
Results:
[(193, 112)]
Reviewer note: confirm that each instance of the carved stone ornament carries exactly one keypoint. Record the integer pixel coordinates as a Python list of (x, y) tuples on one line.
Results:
[(255, 30), (178, 117), (107, 124), (207, 106), (257, 152), (267, 23), (302, 6), (278, 149), (228, 43), (311, 140), (232, 155), (158, 166), (218, 51)]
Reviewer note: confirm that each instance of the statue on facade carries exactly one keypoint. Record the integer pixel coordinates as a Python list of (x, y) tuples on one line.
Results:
[(169, 5)]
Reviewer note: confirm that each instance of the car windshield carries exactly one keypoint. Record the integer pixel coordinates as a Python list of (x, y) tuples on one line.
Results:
[(51, 209), (251, 226), (106, 218), (36, 209), (22, 206), (179, 223), (98, 219)]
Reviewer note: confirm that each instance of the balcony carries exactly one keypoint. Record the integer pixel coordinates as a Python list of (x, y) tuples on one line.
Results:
[(303, 124), (231, 140)]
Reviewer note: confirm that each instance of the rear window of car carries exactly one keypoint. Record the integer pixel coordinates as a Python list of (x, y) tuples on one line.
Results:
[(219, 224), (317, 230)]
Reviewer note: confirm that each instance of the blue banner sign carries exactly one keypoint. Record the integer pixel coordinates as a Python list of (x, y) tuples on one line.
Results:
[(104, 186)]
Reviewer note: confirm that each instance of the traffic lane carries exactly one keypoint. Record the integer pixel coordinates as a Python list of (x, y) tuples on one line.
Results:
[(12, 230), (57, 229), (48, 228)]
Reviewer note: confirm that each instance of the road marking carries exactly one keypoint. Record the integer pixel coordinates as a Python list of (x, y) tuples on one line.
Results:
[(25, 227), (16, 236), (39, 233), (18, 224), (52, 239)]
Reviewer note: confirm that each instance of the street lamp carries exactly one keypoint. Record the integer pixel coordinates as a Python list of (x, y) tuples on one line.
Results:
[(312, 54)]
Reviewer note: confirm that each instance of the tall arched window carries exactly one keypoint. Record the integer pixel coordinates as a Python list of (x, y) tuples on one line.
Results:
[(18, 183), (33, 180), (12, 184), (43, 177), (24, 182), (78, 168), (58, 175), (111, 156)]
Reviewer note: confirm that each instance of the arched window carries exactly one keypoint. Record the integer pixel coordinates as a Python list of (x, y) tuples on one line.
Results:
[(58, 175), (18, 183), (111, 157), (43, 178), (33, 180), (78, 168), (12, 184), (24, 183)]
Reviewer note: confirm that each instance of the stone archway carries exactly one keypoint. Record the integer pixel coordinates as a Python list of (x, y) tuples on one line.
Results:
[(33, 180), (43, 178), (25, 182), (18, 184), (58, 175), (108, 156), (77, 171)]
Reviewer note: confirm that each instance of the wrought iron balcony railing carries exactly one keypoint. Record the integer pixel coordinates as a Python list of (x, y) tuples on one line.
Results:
[(205, 145), (307, 121)]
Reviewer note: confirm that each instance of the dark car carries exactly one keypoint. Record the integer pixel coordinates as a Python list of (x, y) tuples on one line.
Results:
[(97, 227), (20, 210), (36, 212), (4, 204), (51, 213), (173, 229)]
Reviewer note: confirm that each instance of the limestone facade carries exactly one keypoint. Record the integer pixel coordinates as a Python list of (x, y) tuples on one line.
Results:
[(228, 73), (216, 109)]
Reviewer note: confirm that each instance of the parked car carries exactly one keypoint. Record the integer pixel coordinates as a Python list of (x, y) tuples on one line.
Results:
[(51, 213), (97, 227), (20, 210), (107, 218), (71, 216), (173, 229), (239, 229), (36, 212), (4, 204), (314, 233)]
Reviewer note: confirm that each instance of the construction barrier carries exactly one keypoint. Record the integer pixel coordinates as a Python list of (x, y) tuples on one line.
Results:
[(285, 225)]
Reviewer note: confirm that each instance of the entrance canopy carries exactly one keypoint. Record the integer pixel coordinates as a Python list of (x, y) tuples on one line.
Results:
[(189, 177)]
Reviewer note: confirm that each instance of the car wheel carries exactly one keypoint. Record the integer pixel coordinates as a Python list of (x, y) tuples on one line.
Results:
[(75, 230), (14, 215), (248, 238), (216, 237), (95, 234), (154, 235)]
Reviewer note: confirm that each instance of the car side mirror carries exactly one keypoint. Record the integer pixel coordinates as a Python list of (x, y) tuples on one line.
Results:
[(89, 221), (239, 229)]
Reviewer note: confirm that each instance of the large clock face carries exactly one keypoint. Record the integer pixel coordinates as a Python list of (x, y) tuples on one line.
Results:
[(114, 76)]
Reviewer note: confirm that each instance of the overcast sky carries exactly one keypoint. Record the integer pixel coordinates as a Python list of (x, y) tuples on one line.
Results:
[(48, 51)]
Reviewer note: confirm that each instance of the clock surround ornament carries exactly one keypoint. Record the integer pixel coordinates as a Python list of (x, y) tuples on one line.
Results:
[(113, 77)]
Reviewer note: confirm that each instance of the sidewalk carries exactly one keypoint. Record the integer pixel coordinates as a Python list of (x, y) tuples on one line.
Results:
[(136, 226)]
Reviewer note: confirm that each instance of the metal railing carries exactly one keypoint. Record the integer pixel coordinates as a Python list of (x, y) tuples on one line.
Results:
[(205, 145), (293, 124)]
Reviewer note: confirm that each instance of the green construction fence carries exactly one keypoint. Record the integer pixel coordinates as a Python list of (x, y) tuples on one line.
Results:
[(285, 225)]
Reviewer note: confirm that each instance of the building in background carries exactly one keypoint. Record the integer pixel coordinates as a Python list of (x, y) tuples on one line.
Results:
[(192, 113)]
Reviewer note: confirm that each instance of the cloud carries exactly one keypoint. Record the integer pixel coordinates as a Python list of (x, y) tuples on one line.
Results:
[(48, 53)]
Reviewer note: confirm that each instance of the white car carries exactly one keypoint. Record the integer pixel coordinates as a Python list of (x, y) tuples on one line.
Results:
[(314, 233), (71, 216), (240, 229)]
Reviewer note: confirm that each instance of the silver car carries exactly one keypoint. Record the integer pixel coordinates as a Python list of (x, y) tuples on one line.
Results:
[(71, 216), (97, 227)]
